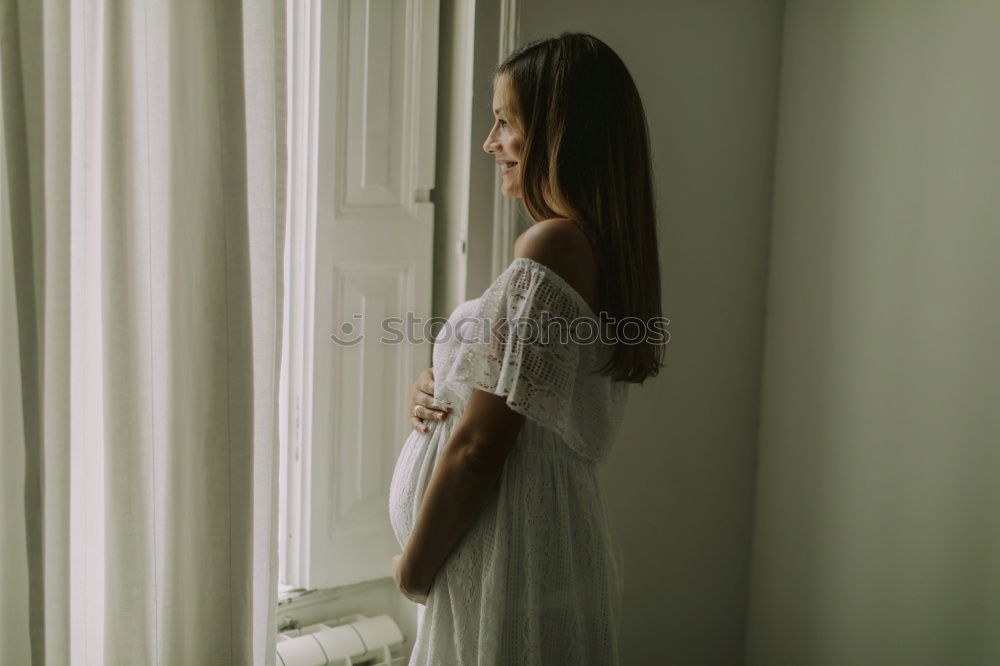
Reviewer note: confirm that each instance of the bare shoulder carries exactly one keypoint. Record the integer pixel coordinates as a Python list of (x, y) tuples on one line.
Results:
[(559, 245)]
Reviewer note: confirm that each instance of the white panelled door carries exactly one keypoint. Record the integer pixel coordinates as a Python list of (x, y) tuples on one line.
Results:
[(366, 254)]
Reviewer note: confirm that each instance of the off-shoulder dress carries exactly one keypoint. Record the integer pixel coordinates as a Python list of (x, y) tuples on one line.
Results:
[(538, 577)]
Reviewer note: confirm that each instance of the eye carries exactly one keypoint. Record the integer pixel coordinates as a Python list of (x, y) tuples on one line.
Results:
[(502, 122)]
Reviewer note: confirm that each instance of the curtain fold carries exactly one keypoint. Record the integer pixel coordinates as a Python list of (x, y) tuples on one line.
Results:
[(141, 250)]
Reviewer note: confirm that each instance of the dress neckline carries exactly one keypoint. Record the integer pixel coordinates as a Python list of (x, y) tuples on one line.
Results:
[(558, 279)]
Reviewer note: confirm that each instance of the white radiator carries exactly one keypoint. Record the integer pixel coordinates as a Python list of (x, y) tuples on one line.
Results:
[(354, 640)]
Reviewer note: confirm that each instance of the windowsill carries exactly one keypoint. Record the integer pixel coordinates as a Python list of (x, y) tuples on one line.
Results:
[(291, 597), (301, 608), (287, 593)]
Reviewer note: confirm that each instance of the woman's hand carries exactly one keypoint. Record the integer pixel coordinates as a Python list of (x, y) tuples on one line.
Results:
[(422, 399), (416, 596)]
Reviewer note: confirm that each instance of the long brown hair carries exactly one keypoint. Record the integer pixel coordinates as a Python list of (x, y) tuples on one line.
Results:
[(586, 145)]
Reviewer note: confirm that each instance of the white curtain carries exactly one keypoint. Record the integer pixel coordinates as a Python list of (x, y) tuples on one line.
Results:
[(141, 253)]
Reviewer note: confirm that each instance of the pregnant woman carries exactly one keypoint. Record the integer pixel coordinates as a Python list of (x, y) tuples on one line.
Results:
[(495, 501)]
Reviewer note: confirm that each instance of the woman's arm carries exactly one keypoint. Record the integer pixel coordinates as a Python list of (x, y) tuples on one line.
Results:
[(470, 465)]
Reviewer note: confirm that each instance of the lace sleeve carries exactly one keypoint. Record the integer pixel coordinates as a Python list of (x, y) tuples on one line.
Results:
[(517, 344)]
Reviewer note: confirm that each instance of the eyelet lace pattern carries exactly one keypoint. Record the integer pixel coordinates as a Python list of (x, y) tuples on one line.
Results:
[(538, 577)]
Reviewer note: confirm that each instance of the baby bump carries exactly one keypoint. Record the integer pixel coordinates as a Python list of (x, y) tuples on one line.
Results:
[(411, 475)]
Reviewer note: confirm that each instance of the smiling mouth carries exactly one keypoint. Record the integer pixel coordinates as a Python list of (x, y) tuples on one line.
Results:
[(507, 166)]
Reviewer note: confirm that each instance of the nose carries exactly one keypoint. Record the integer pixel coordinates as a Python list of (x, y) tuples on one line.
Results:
[(490, 144)]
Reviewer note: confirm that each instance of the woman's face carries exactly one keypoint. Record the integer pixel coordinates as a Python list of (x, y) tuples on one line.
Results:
[(503, 142)]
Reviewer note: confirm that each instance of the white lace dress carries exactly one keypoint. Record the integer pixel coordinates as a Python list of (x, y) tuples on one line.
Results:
[(538, 577)]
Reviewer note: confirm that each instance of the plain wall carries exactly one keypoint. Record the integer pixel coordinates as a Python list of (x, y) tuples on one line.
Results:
[(877, 537), (680, 480)]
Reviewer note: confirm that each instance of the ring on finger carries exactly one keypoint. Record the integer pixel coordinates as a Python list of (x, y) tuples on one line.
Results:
[(415, 411)]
